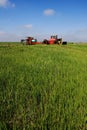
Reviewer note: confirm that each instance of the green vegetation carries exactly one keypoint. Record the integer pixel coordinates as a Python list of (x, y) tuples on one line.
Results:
[(43, 87)]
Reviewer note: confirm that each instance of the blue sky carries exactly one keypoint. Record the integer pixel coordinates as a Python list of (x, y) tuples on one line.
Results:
[(42, 18)]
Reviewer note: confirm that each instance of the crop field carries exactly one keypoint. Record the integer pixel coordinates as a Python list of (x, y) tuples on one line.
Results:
[(43, 87)]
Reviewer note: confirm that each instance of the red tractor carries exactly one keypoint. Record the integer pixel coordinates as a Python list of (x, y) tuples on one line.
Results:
[(53, 40)]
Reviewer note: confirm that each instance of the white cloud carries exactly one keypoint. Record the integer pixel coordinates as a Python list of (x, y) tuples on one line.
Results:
[(49, 12), (28, 26), (6, 3)]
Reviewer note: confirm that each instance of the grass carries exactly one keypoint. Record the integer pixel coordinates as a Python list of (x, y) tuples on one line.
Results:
[(43, 87)]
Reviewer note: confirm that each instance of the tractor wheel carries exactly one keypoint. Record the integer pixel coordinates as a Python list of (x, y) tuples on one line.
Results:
[(45, 41)]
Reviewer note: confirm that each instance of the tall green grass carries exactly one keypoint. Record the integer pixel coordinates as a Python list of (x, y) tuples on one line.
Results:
[(43, 87)]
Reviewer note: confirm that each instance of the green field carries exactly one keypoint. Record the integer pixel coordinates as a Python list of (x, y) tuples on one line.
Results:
[(43, 87)]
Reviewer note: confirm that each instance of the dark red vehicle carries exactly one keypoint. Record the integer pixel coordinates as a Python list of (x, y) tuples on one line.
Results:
[(30, 41)]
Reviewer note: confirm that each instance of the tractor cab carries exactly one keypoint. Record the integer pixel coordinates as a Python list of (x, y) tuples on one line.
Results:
[(53, 39)]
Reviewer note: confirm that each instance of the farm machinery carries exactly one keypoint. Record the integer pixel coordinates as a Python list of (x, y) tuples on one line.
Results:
[(54, 40), (30, 41)]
